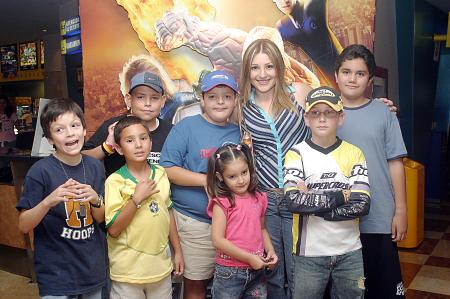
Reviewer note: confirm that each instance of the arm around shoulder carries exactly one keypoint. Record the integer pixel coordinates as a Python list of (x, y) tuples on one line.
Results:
[(301, 91)]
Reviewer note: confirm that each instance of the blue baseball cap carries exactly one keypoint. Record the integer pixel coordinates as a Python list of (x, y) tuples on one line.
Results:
[(216, 78), (147, 79)]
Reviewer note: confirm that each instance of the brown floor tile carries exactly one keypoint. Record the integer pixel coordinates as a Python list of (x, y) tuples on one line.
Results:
[(409, 271), (433, 235), (412, 257), (415, 294), (17, 287), (432, 279), (436, 225), (438, 261), (426, 247), (442, 249)]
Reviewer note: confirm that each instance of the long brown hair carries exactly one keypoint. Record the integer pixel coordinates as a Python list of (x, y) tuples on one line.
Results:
[(223, 156), (281, 100)]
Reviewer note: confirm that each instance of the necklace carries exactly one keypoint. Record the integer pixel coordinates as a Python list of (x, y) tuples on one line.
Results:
[(82, 206)]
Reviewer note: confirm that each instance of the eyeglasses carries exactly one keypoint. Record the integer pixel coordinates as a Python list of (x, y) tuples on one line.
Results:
[(328, 114)]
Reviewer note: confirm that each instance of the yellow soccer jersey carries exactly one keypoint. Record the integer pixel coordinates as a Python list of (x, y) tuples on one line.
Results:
[(325, 218), (140, 254)]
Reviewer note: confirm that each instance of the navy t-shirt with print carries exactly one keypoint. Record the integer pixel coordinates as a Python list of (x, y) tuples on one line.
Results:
[(70, 250)]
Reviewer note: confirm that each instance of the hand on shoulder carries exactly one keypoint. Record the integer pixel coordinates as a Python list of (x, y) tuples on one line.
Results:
[(301, 91)]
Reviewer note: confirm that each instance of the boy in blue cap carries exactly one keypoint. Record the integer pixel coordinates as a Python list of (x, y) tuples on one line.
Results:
[(185, 156)]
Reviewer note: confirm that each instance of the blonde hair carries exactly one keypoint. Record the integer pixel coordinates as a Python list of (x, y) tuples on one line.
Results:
[(142, 63), (281, 99)]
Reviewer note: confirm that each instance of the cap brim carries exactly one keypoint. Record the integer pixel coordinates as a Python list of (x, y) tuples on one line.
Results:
[(156, 88), (336, 107), (209, 87)]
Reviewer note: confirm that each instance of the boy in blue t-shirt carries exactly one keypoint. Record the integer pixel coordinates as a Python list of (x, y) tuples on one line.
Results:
[(62, 202), (375, 130), (185, 156)]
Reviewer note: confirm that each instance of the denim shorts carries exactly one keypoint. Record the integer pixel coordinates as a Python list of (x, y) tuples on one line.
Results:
[(236, 282)]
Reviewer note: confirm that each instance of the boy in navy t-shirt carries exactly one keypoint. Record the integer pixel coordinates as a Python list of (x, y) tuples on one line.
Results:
[(62, 202)]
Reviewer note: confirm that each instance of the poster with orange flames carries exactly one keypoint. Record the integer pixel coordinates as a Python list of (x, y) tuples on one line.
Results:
[(185, 37)]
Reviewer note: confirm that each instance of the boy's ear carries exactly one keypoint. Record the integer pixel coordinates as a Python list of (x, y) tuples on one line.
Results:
[(118, 149), (341, 119), (163, 99), (128, 101), (50, 141), (306, 118), (219, 176), (202, 101)]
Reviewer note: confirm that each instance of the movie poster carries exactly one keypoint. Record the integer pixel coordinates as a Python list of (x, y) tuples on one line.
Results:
[(181, 38)]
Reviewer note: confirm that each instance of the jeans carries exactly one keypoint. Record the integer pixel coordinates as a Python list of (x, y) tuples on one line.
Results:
[(92, 295), (345, 272), (235, 282), (279, 226)]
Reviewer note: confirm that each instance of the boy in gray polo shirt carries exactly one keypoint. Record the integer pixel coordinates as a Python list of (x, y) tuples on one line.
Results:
[(375, 130)]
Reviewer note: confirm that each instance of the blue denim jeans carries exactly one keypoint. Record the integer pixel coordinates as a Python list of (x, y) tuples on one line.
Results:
[(345, 271), (235, 282), (92, 295), (279, 226)]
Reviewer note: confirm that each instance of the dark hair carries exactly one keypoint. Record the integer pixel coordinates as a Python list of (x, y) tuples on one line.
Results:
[(9, 109), (356, 51), (224, 155), (125, 122), (54, 109)]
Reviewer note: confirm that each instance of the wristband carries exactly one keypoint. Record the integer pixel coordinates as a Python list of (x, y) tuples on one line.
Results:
[(107, 149)]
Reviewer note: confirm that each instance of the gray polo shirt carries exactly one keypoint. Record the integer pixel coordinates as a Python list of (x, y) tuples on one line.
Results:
[(376, 131)]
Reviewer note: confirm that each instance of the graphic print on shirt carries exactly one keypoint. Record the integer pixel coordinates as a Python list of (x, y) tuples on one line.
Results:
[(79, 220)]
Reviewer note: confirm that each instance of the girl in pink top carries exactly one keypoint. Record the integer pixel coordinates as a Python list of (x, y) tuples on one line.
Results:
[(237, 209)]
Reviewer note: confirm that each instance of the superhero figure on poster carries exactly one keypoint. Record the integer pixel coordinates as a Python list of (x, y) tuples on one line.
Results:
[(305, 25), (222, 45)]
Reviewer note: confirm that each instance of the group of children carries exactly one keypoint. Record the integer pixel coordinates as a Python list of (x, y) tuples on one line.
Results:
[(209, 221)]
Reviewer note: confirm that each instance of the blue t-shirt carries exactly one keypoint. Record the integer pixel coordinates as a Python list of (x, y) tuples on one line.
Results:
[(189, 145), (69, 249)]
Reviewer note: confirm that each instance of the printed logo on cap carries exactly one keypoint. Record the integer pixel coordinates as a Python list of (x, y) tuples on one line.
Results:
[(322, 93)]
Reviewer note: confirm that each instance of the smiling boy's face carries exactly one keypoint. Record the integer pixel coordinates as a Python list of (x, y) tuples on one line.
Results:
[(67, 135), (218, 104)]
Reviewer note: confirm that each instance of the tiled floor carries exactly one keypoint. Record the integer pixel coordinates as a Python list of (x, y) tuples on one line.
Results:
[(425, 269)]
